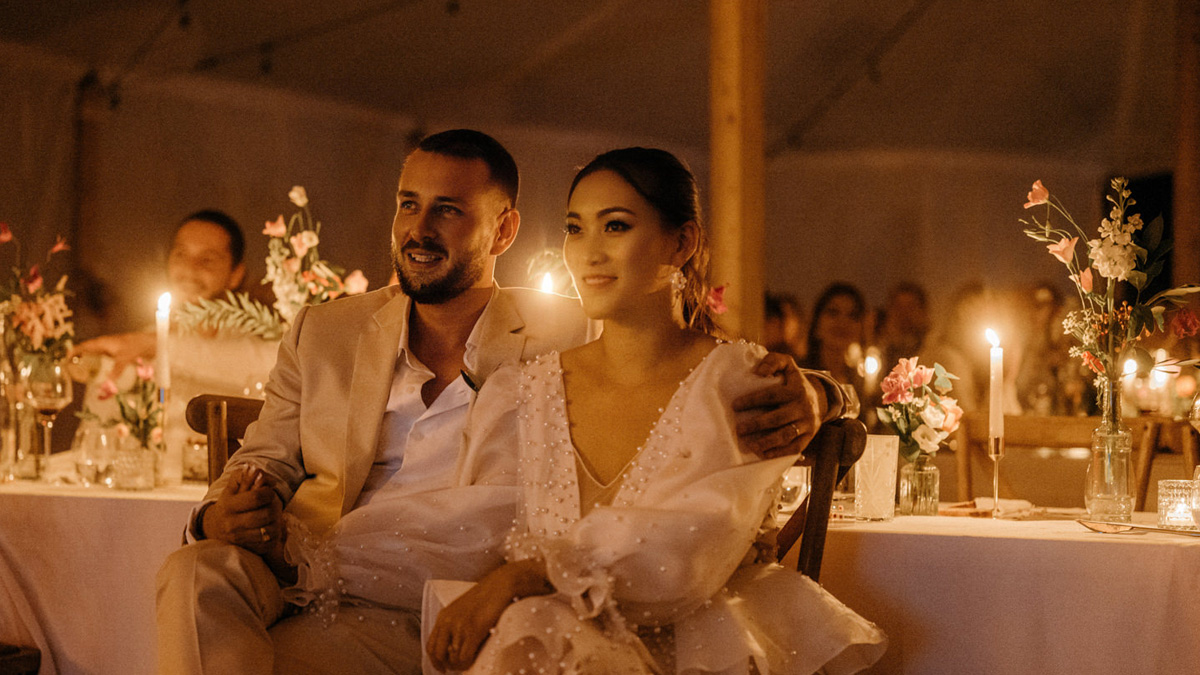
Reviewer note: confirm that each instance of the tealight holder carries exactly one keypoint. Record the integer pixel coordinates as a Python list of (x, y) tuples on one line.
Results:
[(1174, 505)]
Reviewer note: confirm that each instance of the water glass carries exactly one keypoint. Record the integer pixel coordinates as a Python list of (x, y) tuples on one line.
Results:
[(94, 448), (1175, 505), (875, 487), (795, 488)]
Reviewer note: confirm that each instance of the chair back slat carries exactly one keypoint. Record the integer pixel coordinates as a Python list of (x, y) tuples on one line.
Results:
[(223, 420)]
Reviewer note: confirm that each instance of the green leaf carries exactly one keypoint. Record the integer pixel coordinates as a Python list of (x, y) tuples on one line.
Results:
[(1152, 233), (234, 315), (1137, 279), (885, 415)]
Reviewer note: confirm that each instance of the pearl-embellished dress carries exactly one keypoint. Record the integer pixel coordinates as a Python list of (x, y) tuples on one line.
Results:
[(664, 578)]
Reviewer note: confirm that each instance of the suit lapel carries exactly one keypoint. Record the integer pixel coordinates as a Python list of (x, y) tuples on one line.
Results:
[(370, 385), (497, 338)]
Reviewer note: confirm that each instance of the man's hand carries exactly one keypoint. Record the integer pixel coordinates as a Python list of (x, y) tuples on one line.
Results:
[(124, 348), (248, 513), (464, 625), (787, 414)]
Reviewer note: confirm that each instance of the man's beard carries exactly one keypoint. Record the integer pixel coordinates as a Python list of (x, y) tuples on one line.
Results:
[(462, 275)]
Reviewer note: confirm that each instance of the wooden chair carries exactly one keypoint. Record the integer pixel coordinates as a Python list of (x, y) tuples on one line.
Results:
[(223, 419), (15, 660), (836, 447), (1033, 431)]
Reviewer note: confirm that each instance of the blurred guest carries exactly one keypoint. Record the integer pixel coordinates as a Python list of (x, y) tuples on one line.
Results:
[(1045, 359), (783, 325), (961, 346), (904, 324), (837, 335)]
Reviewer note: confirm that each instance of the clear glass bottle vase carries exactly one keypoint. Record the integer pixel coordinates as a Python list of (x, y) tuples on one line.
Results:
[(1108, 493), (920, 484)]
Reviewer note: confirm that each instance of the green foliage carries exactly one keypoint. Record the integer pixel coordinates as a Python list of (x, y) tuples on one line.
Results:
[(234, 315)]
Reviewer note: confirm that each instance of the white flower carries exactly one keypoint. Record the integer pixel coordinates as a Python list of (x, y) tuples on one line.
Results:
[(933, 416), (927, 438), (298, 196), (1111, 260)]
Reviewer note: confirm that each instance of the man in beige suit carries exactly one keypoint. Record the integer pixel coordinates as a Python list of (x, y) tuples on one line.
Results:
[(371, 390)]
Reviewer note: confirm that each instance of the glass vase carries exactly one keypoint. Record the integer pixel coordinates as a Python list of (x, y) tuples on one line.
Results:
[(1108, 494), (134, 465), (920, 483)]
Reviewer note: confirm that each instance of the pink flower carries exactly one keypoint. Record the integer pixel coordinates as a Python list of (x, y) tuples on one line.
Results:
[(896, 389), (906, 367), (60, 244), (122, 430), (292, 265), (275, 228), (6, 234), (33, 282), (921, 376), (1064, 250), (145, 371), (156, 435), (953, 414), (1084, 279), (108, 389), (302, 241), (1038, 195), (716, 300), (1184, 323), (356, 283)]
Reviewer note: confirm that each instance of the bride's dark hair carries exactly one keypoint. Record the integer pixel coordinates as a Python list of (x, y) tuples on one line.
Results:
[(667, 184)]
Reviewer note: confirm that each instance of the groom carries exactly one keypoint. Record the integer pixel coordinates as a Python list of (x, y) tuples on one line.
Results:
[(373, 390)]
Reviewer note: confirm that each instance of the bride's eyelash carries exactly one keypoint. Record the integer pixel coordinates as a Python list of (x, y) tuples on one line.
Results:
[(571, 228), (616, 226)]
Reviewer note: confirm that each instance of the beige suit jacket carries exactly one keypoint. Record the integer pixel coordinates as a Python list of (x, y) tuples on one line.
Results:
[(329, 389)]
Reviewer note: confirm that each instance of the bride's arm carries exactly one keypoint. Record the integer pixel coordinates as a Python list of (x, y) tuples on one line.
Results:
[(462, 627)]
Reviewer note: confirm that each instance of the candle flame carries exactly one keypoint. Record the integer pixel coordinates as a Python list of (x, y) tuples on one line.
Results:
[(1130, 366), (871, 365), (547, 283), (164, 303), (992, 337)]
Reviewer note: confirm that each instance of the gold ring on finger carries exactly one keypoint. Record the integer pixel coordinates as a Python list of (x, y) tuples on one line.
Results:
[(266, 536), (796, 429)]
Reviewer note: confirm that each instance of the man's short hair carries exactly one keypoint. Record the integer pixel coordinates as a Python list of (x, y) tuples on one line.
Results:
[(471, 144), (237, 240)]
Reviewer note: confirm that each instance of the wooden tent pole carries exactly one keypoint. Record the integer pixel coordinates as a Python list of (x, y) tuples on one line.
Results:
[(737, 196)]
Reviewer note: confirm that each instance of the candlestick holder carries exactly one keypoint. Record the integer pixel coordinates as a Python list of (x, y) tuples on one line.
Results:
[(996, 452)]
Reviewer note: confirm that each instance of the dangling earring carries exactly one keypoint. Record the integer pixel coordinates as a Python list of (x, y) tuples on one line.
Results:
[(678, 281)]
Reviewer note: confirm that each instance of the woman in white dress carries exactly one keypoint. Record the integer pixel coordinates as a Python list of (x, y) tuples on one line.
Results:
[(635, 545)]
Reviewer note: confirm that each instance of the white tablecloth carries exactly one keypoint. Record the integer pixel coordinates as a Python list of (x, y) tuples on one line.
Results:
[(972, 595), (82, 561)]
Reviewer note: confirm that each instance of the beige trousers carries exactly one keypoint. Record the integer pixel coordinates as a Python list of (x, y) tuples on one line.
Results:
[(220, 609)]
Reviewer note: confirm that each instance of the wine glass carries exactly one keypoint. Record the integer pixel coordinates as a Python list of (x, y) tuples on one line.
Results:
[(47, 387)]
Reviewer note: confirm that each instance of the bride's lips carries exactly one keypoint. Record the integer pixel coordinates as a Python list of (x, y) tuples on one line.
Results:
[(598, 280)]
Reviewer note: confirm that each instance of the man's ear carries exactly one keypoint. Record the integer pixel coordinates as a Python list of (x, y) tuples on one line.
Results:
[(506, 233), (687, 243), (236, 277)]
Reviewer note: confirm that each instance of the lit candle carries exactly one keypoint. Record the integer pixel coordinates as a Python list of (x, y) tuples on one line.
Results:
[(548, 283), (162, 321), (996, 388)]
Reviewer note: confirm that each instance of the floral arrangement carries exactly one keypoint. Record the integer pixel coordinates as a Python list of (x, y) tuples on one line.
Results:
[(297, 275), (139, 407), (917, 408), (36, 317), (1125, 250)]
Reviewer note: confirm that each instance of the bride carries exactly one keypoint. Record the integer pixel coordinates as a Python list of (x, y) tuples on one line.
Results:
[(635, 544)]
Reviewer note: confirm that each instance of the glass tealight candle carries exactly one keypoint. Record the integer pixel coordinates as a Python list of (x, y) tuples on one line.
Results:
[(1175, 505)]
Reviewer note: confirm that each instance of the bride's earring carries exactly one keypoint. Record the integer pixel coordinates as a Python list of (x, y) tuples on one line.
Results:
[(678, 281)]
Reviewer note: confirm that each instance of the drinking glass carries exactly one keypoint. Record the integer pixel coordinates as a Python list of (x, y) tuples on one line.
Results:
[(795, 488), (47, 389), (94, 447)]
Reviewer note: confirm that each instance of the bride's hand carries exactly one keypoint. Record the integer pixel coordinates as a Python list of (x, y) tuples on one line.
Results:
[(464, 625), (786, 415)]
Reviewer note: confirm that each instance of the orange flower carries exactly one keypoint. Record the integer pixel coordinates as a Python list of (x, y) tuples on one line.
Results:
[(1064, 250), (60, 244), (1038, 195), (1093, 363), (6, 234), (1084, 279)]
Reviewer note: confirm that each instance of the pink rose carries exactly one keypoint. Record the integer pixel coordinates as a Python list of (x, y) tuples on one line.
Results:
[(953, 414), (896, 389), (922, 376), (108, 389), (1064, 250), (6, 234), (1184, 323), (356, 283), (275, 228), (145, 371), (1038, 195), (906, 367), (60, 244), (716, 300), (33, 282)]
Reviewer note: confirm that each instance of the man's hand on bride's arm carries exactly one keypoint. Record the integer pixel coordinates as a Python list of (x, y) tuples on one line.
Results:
[(464, 625), (785, 415)]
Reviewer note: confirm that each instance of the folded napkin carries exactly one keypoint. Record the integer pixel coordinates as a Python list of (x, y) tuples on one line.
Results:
[(981, 507)]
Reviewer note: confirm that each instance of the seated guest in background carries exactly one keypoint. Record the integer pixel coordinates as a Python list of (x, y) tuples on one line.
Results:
[(904, 325), (960, 345), (367, 401), (783, 325), (837, 335), (1045, 361)]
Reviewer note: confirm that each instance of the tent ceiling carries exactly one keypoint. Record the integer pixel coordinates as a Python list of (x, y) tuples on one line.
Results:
[(1076, 78)]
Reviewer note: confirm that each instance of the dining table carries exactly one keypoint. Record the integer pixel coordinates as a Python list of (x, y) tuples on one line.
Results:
[(77, 569), (983, 595)]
